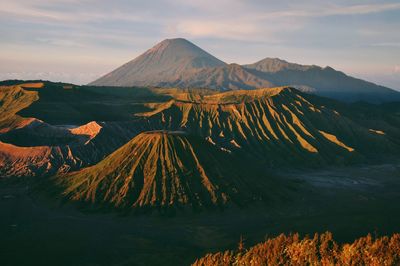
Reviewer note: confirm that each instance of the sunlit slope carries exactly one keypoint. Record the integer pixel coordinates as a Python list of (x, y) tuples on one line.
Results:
[(163, 169), (68, 104), (278, 124), (12, 100), (32, 147), (274, 126), (321, 249)]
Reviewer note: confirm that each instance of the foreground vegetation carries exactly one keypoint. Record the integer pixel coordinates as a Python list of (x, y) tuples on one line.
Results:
[(320, 250)]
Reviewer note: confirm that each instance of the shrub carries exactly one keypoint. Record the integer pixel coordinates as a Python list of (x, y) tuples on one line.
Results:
[(319, 250)]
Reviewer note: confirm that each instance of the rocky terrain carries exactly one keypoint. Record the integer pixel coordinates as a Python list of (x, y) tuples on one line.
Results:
[(171, 147)]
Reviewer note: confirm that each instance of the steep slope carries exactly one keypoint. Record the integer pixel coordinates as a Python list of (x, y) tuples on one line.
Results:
[(32, 147), (37, 161), (325, 81), (276, 126), (163, 169), (179, 63), (163, 63), (38, 133), (280, 125), (46, 150), (12, 100), (230, 77)]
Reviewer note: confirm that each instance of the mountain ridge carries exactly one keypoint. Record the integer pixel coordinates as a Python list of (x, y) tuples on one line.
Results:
[(180, 63)]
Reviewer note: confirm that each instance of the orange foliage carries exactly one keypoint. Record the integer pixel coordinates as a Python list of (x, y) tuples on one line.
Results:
[(319, 250)]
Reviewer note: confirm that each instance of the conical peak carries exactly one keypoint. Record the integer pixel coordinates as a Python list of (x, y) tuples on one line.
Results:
[(178, 46), (176, 40)]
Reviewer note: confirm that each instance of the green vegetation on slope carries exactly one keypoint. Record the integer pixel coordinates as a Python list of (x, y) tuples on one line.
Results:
[(12, 100)]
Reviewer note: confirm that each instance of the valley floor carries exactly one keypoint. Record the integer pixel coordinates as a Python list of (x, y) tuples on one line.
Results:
[(350, 202)]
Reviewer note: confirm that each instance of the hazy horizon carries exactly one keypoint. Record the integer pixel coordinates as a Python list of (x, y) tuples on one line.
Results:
[(78, 41)]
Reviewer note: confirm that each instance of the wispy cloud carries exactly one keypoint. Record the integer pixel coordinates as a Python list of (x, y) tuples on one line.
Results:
[(107, 32), (325, 10), (362, 9), (386, 44), (83, 11)]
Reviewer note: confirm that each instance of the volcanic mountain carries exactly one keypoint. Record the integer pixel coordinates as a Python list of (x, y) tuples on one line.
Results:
[(164, 169), (170, 147), (322, 81), (180, 63), (229, 77), (200, 144), (165, 63), (49, 128)]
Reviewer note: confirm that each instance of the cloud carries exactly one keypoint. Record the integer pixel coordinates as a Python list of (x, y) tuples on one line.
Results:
[(83, 11), (218, 29), (386, 44), (261, 24), (110, 32), (329, 10), (233, 19), (76, 78), (362, 9), (74, 11)]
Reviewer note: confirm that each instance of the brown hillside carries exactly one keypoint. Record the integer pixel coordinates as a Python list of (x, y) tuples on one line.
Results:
[(164, 169), (279, 124)]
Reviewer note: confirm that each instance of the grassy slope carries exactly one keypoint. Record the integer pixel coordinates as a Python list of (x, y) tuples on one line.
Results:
[(12, 100)]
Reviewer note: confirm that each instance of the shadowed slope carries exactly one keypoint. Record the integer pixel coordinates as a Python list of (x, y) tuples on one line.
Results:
[(274, 65), (180, 63), (163, 169), (230, 77), (324, 81)]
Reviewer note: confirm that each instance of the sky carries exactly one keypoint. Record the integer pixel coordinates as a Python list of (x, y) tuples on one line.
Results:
[(78, 41)]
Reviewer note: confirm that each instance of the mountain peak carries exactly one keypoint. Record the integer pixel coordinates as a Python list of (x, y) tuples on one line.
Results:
[(273, 65), (159, 169), (176, 40), (162, 63), (175, 43)]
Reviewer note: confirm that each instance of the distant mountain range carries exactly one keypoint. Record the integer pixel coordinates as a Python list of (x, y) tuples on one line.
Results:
[(179, 63)]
